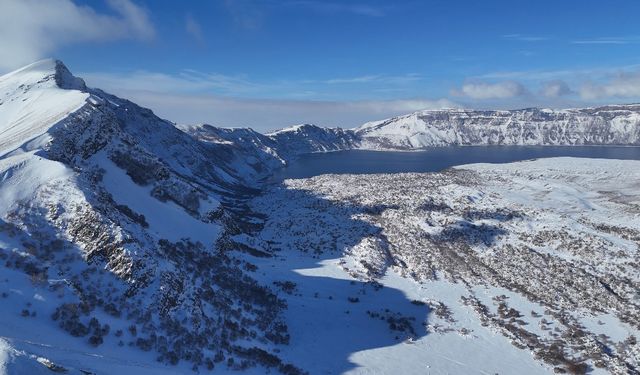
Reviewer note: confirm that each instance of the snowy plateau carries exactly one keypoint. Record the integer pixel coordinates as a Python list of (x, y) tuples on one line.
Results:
[(133, 245)]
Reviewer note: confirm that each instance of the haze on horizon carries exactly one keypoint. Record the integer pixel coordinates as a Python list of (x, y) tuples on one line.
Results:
[(267, 64)]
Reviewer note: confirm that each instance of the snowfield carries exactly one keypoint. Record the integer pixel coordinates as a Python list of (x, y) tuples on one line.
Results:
[(527, 267)]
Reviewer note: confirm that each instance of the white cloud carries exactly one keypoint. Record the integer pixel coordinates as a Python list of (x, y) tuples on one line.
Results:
[(191, 81), (271, 114), (555, 89), (595, 73), (339, 7), (623, 85), (32, 29), (383, 79), (484, 90), (196, 97), (361, 79), (610, 40), (187, 81)]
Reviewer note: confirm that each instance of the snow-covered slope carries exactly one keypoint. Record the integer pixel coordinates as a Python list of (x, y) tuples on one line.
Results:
[(32, 99), (610, 125), (519, 268), (267, 152), (114, 227), (249, 148), (306, 138)]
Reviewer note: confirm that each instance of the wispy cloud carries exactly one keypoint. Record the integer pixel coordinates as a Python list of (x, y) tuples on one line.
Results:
[(544, 75), (380, 79), (32, 29), (271, 114), (192, 81), (191, 96), (609, 40), (186, 81), (484, 90), (526, 38), (362, 9), (252, 14)]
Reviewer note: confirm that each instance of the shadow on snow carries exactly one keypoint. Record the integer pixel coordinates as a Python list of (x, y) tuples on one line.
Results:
[(330, 315)]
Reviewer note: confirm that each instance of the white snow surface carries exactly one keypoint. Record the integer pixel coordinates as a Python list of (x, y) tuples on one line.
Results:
[(31, 102), (572, 211)]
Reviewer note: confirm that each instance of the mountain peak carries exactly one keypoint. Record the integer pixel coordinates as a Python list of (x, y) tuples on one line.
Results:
[(66, 80), (34, 98), (44, 70)]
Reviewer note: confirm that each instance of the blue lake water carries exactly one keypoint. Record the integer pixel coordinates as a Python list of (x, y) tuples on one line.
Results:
[(437, 159)]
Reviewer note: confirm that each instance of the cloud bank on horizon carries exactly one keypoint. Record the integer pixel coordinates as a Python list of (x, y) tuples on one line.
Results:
[(271, 63)]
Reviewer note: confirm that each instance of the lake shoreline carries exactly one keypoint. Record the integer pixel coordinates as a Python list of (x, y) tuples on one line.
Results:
[(359, 161)]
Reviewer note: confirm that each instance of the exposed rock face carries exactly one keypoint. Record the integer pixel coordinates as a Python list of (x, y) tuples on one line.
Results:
[(246, 147)]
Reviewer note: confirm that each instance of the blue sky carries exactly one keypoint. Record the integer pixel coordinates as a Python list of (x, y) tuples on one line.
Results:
[(271, 63)]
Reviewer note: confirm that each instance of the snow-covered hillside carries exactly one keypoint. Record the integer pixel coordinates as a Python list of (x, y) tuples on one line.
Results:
[(268, 152), (306, 138), (114, 231), (524, 268)]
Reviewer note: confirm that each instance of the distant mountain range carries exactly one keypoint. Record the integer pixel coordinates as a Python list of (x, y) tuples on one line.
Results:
[(607, 125)]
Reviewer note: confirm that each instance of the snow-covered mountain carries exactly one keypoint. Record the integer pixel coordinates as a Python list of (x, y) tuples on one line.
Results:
[(122, 222), (609, 125), (306, 138), (267, 152), (132, 245)]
